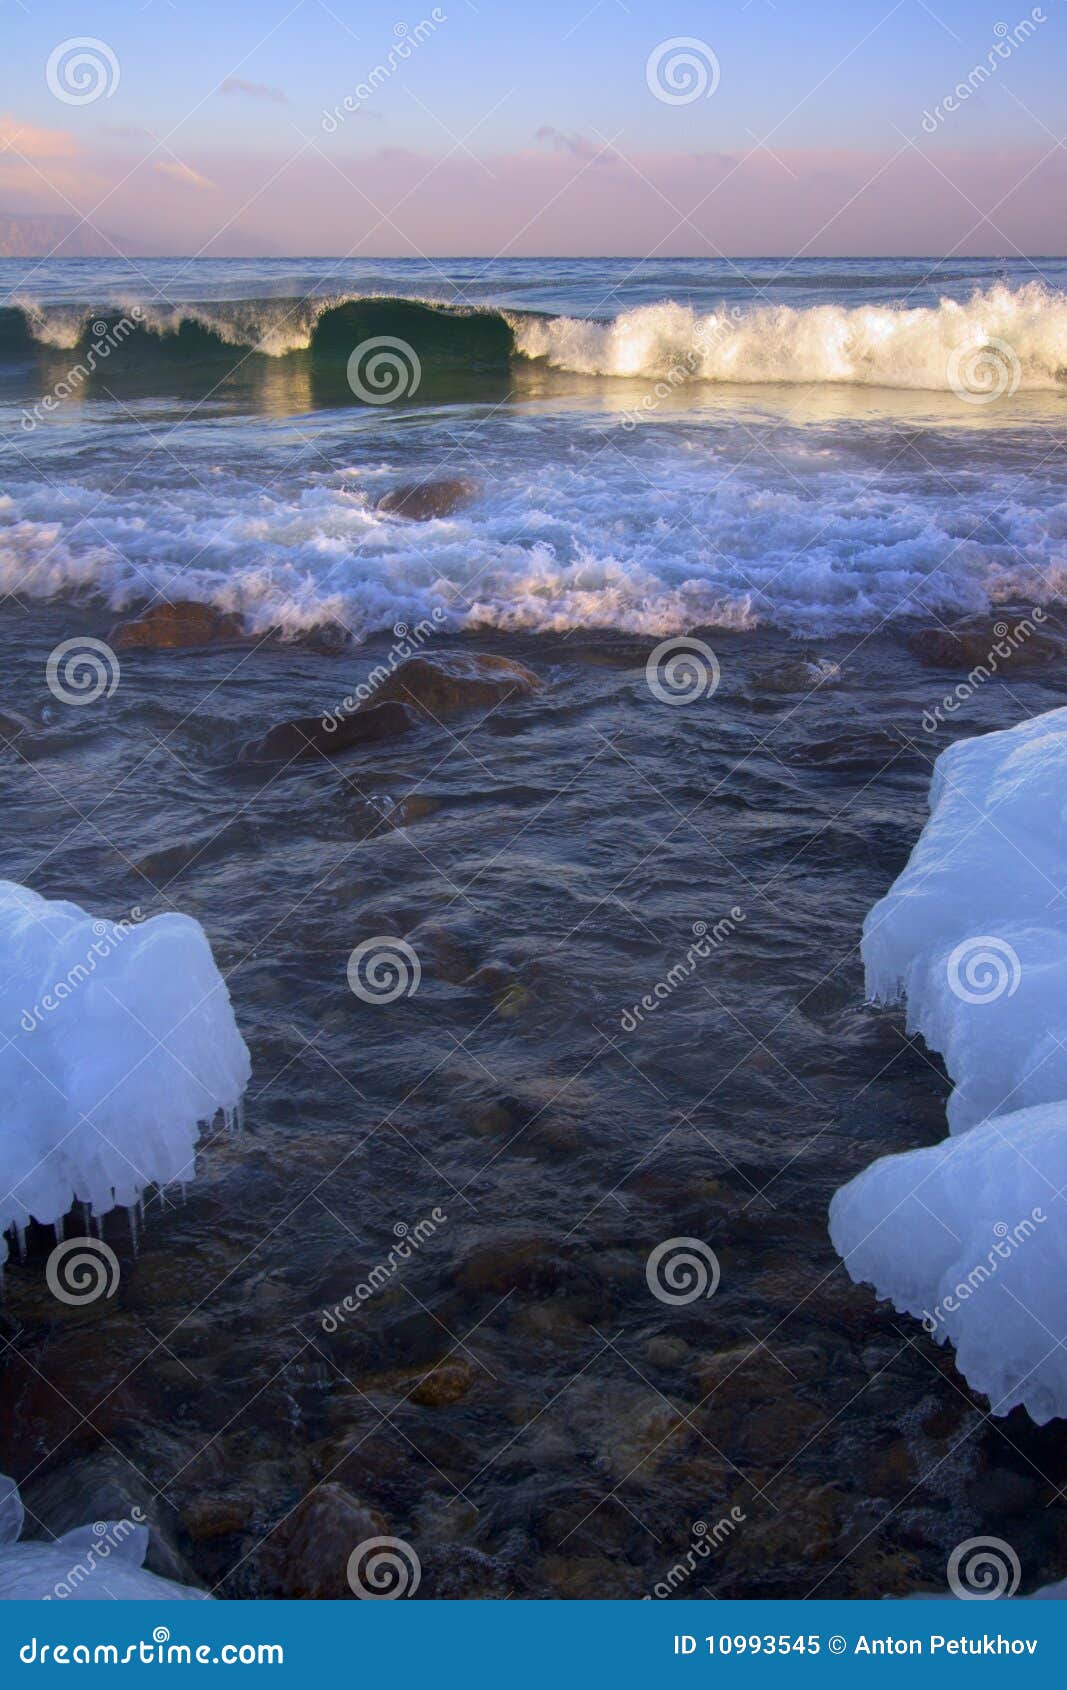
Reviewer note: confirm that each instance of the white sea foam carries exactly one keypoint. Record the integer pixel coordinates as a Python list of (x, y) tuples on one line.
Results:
[(118, 1041), (866, 345), (818, 530)]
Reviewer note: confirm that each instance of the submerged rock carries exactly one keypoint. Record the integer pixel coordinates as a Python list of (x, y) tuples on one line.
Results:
[(457, 680), (172, 627), (798, 674), (444, 1384), (422, 501), (106, 1486), (97, 1561), (309, 736), (306, 1556), (13, 726), (1008, 642)]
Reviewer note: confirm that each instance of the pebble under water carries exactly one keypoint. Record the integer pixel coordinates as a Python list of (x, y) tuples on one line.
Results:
[(510, 1396)]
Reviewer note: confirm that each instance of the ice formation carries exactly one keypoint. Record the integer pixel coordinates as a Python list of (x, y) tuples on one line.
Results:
[(95, 1563), (969, 1235), (118, 1041)]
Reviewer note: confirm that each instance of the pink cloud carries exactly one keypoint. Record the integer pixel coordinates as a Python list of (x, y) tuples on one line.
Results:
[(31, 142), (184, 174), (393, 201)]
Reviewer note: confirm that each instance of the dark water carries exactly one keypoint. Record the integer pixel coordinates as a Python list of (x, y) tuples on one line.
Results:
[(547, 864)]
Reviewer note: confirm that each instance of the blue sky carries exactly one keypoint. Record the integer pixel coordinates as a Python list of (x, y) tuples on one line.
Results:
[(507, 99)]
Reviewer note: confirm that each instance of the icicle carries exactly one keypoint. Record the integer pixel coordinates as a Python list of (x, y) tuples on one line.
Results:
[(131, 1216)]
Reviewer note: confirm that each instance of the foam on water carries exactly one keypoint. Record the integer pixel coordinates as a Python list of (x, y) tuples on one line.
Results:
[(119, 1041), (577, 525), (923, 347)]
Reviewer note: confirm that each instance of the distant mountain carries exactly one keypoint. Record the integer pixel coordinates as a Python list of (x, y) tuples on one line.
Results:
[(64, 237)]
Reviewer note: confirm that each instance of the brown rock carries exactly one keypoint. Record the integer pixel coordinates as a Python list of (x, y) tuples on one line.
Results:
[(457, 680), (445, 1384), (421, 501), (798, 674), (528, 1264), (12, 726), (308, 736), (209, 1517), (170, 627), (973, 646), (444, 952), (306, 1557)]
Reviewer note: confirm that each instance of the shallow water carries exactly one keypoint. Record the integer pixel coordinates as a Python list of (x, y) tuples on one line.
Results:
[(547, 861), (547, 864)]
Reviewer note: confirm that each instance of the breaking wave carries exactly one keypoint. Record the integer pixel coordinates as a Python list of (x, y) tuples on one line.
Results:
[(1014, 337)]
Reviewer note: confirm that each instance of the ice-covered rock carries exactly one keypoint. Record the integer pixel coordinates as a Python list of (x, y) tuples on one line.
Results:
[(95, 1563), (118, 1040), (974, 931), (970, 1235)]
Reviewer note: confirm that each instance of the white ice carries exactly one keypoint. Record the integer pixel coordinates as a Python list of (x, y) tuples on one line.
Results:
[(95, 1563), (969, 1235), (117, 1040), (974, 931)]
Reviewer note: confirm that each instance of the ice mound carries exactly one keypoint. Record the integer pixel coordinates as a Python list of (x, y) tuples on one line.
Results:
[(974, 931), (118, 1041), (969, 1235), (95, 1563)]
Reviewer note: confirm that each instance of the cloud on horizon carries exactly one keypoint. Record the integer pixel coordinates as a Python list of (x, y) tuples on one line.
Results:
[(185, 174), (254, 90), (32, 142), (395, 201)]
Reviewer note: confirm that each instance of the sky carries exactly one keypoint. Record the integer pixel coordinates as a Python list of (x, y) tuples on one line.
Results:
[(563, 127)]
